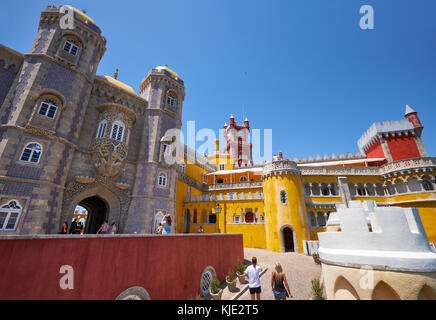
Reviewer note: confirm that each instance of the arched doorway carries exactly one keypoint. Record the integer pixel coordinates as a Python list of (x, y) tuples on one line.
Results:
[(288, 239), (97, 213), (186, 221), (249, 218)]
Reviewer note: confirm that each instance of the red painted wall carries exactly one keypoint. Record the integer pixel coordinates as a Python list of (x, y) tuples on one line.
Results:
[(403, 147), (375, 151), (168, 267)]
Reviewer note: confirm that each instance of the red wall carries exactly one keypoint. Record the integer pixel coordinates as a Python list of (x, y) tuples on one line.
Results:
[(403, 147), (168, 267), (375, 151)]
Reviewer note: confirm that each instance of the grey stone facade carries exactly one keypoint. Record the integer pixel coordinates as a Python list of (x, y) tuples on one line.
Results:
[(79, 161)]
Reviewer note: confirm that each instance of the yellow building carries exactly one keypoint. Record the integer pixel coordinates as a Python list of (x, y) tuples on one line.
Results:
[(281, 204)]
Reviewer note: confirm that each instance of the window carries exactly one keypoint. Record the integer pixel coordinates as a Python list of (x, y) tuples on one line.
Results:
[(9, 215), (312, 219), (195, 218), (101, 129), (166, 148), (171, 101), (157, 218), (320, 218), (361, 190), (71, 47), (117, 131), (222, 166), (48, 109), (220, 181), (31, 153), (162, 181), (182, 167), (236, 218), (427, 185), (212, 218), (283, 197), (243, 179), (249, 217), (204, 177)]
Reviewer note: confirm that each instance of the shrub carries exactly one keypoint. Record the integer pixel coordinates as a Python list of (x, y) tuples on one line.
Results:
[(231, 276), (317, 289), (315, 257), (214, 285), (240, 267)]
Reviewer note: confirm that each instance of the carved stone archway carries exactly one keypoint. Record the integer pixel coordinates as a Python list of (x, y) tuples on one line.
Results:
[(117, 199), (294, 238)]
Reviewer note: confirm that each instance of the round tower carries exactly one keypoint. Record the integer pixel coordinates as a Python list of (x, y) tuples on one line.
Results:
[(285, 209)]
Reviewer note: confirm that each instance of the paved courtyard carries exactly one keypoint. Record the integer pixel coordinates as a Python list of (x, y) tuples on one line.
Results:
[(299, 269)]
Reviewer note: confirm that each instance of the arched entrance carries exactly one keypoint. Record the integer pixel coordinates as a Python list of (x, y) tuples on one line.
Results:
[(288, 239), (186, 221), (249, 218), (97, 213)]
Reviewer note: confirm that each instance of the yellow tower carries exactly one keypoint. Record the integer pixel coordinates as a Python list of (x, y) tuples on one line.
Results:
[(285, 209)]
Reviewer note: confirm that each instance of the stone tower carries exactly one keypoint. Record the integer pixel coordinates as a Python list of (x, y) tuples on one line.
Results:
[(285, 209), (165, 92), (42, 114)]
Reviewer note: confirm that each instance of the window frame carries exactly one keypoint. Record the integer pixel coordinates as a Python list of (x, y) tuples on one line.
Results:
[(9, 212), (119, 125), (222, 165), (50, 104), (72, 45), (163, 183), (101, 130), (30, 157)]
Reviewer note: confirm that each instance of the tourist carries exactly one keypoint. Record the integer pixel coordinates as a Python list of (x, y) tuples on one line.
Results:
[(159, 228), (200, 230), (253, 275), (166, 223), (73, 226), (113, 229), (104, 228), (78, 229), (278, 283), (64, 228)]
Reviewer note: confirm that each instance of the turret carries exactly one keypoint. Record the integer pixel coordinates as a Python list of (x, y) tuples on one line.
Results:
[(412, 116), (285, 208)]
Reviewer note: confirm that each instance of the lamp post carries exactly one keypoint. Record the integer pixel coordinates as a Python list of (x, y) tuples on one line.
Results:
[(218, 211)]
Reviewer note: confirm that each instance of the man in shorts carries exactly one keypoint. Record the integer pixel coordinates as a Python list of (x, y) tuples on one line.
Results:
[(253, 275)]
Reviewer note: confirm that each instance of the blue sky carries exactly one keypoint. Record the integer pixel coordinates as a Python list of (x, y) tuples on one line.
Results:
[(303, 68)]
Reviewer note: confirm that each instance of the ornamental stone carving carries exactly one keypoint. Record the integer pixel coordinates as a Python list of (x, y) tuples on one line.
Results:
[(279, 167), (109, 157)]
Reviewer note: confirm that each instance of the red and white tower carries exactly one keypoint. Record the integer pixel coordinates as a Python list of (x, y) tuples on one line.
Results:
[(394, 140), (238, 144)]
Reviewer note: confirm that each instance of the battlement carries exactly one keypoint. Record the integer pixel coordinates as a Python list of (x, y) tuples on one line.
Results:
[(387, 238), (386, 127)]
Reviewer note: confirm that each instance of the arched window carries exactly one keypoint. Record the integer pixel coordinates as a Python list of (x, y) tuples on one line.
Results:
[(195, 218), (320, 219), (72, 47), (315, 189), (361, 190), (243, 179), (31, 152), (9, 215), (48, 108), (306, 188), (220, 181), (426, 183), (334, 189), (101, 129), (325, 189), (236, 218), (162, 180), (166, 148), (171, 99), (157, 219), (117, 131), (249, 217), (212, 218), (182, 167), (283, 197), (312, 219)]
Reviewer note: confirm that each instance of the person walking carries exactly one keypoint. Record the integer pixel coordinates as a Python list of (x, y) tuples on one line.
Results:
[(200, 230), (253, 274), (166, 223), (278, 283), (104, 227), (64, 228), (73, 226), (78, 229), (113, 229)]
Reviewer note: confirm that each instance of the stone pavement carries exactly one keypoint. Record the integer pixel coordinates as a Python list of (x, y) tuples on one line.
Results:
[(299, 269)]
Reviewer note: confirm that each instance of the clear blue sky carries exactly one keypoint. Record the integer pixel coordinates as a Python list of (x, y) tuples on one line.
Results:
[(303, 67)]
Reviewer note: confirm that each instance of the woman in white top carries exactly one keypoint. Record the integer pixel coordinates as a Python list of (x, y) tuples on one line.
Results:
[(253, 275)]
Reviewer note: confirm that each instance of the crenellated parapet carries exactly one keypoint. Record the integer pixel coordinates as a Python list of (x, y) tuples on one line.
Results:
[(279, 167)]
